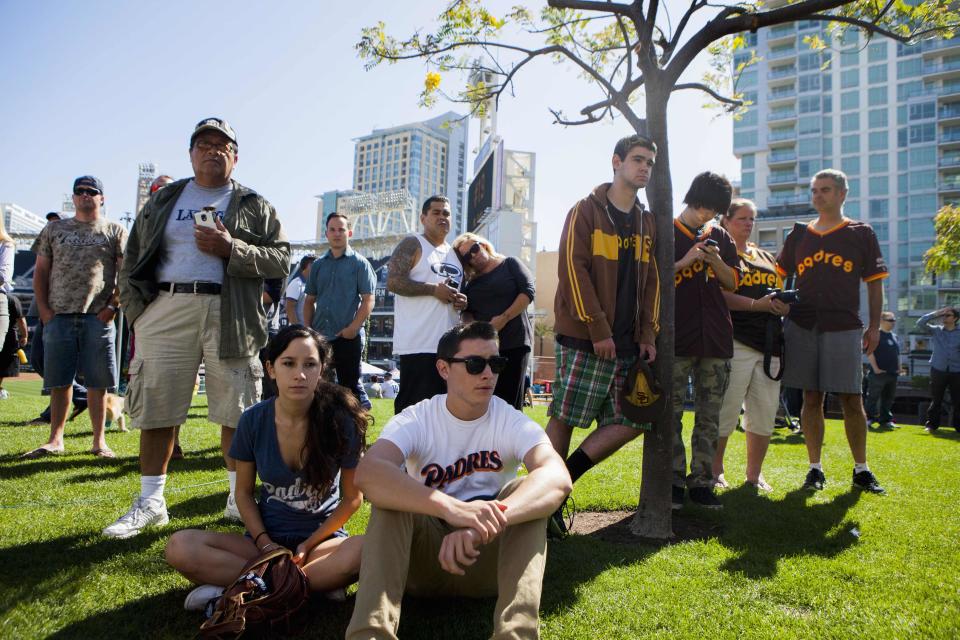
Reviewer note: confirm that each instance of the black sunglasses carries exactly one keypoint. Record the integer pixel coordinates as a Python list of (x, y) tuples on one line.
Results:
[(476, 364), (84, 191), (472, 251)]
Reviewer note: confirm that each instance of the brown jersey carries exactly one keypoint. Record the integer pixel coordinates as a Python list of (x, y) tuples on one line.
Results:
[(703, 327), (759, 276), (829, 266)]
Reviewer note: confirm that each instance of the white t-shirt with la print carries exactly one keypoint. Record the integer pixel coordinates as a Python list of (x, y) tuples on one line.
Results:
[(465, 459)]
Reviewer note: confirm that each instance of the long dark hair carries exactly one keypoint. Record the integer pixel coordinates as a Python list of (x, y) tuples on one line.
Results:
[(333, 406)]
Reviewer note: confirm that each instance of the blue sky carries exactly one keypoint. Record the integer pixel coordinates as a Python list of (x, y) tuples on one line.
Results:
[(98, 87)]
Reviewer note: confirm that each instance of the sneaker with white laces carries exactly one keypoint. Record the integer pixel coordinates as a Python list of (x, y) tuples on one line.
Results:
[(230, 512), (142, 513), (198, 598)]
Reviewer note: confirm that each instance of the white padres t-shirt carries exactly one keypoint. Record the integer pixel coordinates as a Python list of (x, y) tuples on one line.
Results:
[(463, 459)]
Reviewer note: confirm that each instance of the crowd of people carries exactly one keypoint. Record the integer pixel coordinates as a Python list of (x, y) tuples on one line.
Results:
[(206, 266)]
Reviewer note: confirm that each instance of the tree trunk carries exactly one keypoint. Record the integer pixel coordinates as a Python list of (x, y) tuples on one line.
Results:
[(654, 516)]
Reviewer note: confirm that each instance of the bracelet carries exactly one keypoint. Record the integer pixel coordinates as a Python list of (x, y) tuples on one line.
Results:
[(262, 533)]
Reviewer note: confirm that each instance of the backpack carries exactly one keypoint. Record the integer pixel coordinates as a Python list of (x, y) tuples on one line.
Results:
[(269, 591)]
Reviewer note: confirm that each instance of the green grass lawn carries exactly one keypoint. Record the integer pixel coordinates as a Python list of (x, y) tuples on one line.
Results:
[(786, 565)]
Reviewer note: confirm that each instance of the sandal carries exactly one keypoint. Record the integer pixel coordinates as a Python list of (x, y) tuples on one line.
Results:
[(105, 452), (40, 452)]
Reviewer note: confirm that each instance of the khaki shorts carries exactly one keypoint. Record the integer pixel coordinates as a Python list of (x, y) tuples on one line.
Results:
[(173, 336), (750, 388)]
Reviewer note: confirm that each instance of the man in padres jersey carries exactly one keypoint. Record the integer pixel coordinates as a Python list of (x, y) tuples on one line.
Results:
[(825, 339)]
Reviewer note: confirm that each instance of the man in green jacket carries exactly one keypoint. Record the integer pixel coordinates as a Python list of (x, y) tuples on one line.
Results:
[(191, 287)]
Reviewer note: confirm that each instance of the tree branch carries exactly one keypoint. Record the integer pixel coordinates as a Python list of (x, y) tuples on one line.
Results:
[(872, 27), (590, 5), (706, 89), (626, 43), (589, 119)]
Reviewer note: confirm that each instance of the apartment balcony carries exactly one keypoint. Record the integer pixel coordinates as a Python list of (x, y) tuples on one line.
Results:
[(942, 70), (781, 95), (950, 184), (781, 54), (781, 33), (949, 113), (933, 48), (949, 161), (781, 158), (949, 138), (781, 115), (788, 72), (781, 137), (781, 178)]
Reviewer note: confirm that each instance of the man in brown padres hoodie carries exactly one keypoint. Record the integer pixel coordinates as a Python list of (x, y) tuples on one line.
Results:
[(607, 310)]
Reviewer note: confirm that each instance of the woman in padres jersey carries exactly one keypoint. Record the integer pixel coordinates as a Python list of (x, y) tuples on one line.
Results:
[(752, 307)]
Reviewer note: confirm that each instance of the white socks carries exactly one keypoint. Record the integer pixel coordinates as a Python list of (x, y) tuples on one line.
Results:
[(858, 467), (232, 477), (817, 466), (151, 488)]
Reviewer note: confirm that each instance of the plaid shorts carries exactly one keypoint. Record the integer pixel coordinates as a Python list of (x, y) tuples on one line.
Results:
[(587, 388)]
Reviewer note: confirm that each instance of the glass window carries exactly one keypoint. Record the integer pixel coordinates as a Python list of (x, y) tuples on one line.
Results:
[(827, 124), (923, 179), (809, 104), (909, 68), (902, 161), (902, 137), (850, 165), (903, 182), (827, 149), (923, 156), (748, 119), (877, 51), (877, 118), (809, 124), (879, 163), (907, 49), (850, 144), (745, 138), (878, 140), (901, 115), (850, 121), (923, 203), (827, 104), (851, 208), (854, 187), (922, 133), (909, 89), (902, 232), (827, 82), (877, 74), (808, 83), (879, 186), (849, 58), (748, 180), (877, 96), (850, 78), (808, 147), (850, 100), (748, 161), (923, 110), (807, 168), (922, 228), (882, 229), (879, 208)]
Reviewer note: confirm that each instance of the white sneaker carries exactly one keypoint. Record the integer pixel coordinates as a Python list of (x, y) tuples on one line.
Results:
[(198, 598), (141, 514), (4, 394), (230, 512)]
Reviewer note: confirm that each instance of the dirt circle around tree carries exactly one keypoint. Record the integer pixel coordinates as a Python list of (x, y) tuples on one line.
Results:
[(614, 527)]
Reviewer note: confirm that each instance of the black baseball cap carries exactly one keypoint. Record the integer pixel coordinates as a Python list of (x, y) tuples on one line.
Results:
[(214, 124), (641, 399), (53, 215), (88, 181)]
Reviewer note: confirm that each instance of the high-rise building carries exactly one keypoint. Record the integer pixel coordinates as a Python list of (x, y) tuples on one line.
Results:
[(886, 114), (425, 158), (146, 175)]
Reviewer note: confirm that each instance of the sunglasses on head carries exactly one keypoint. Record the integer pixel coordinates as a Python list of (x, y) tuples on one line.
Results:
[(472, 251), (85, 191), (476, 364)]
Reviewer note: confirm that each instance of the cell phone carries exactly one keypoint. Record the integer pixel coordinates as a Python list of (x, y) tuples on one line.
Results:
[(206, 217), (710, 242)]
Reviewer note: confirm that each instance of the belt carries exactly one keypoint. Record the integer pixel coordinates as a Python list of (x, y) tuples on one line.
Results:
[(207, 288)]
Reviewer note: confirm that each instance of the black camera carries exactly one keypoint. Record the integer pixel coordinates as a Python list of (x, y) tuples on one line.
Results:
[(789, 296), (710, 242)]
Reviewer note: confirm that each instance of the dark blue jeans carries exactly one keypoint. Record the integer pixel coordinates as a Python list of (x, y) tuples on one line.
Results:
[(881, 391)]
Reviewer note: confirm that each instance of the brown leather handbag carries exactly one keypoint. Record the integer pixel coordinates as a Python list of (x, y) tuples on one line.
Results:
[(271, 589)]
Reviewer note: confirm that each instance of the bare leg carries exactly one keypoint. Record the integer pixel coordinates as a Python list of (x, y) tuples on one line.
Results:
[(208, 557), (855, 424), (559, 434), (226, 439), (811, 416), (156, 446), (718, 456), (59, 402), (756, 452), (95, 399), (605, 440), (334, 563)]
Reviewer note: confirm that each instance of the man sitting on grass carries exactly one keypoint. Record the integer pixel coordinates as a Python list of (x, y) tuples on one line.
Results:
[(436, 529)]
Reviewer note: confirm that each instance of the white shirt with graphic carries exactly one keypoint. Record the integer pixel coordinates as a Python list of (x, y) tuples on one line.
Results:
[(182, 261), (464, 459)]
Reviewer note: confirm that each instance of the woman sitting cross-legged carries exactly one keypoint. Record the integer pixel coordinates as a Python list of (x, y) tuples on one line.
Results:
[(304, 444)]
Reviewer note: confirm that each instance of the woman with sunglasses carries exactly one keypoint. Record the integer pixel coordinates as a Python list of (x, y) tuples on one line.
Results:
[(499, 290), (304, 444)]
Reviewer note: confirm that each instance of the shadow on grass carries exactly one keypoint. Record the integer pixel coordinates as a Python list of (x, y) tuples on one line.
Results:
[(762, 532), (11, 466), (944, 433)]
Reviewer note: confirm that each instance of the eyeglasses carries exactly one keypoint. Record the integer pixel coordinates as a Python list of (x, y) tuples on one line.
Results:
[(476, 364), (889, 319), (472, 251), (206, 145), (84, 191)]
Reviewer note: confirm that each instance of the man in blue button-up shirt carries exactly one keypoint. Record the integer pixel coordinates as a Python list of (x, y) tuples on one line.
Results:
[(944, 364), (343, 282)]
